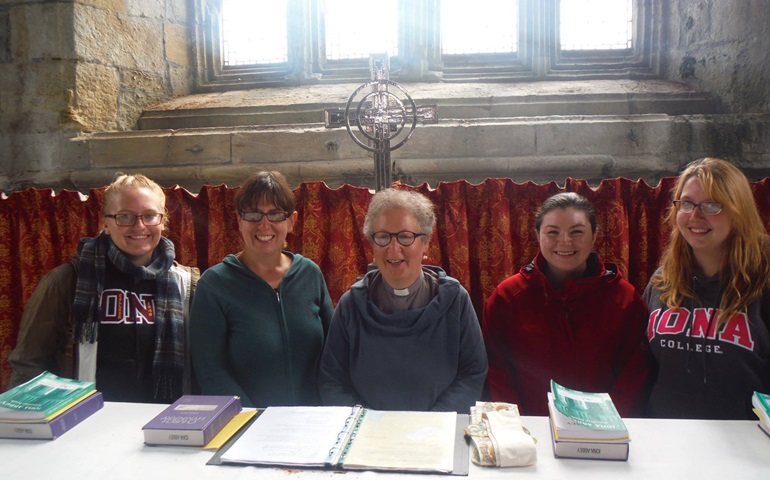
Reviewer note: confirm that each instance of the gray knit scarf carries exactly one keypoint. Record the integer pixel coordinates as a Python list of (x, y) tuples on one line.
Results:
[(168, 362)]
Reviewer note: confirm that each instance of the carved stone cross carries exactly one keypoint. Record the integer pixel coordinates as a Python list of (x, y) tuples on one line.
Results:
[(384, 119)]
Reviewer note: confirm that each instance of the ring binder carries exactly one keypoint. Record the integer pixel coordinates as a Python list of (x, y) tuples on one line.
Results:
[(360, 439), (337, 452)]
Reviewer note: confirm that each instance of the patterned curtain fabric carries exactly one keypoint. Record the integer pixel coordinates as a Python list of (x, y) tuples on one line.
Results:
[(484, 232)]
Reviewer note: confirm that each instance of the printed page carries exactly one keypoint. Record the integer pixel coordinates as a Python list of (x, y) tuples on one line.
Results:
[(409, 441), (290, 436)]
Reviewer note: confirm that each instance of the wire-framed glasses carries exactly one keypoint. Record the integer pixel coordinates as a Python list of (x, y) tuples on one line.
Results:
[(707, 208), (129, 219), (405, 238), (276, 216)]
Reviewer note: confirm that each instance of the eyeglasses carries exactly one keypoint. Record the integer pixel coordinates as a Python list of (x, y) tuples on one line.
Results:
[(707, 208), (405, 238), (129, 219), (275, 216)]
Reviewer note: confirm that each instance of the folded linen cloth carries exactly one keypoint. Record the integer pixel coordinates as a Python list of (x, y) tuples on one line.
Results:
[(498, 437)]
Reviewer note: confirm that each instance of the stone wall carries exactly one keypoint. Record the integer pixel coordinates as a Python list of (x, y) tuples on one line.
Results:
[(68, 68), (722, 47), (75, 77)]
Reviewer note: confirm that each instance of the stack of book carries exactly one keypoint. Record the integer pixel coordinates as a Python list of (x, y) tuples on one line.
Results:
[(193, 420), (586, 425), (46, 407), (761, 403)]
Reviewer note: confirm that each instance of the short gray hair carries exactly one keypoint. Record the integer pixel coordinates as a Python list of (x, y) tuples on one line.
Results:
[(413, 202)]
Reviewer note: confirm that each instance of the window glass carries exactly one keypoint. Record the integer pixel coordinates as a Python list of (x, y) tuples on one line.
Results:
[(357, 28), (294, 42), (481, 26), (254, 32), (596, 24)]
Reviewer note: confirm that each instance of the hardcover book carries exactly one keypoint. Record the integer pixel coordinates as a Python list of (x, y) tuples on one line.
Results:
[(590, 450), (51, 428), (352, 438), (585, 416), (586, 425), (42, 397), (193, 420), (761, 403)]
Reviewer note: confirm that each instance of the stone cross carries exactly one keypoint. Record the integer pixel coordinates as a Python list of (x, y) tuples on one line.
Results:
[(383, 119)]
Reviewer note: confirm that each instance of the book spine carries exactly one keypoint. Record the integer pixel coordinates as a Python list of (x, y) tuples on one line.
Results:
[(596, 451), (193, 428), (221, 419), (55, 427), (76, 414)]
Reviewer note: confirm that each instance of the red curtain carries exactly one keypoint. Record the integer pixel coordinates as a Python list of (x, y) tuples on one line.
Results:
[(484, 232)]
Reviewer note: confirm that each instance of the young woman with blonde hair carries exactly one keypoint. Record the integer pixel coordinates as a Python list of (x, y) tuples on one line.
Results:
[(125, 298), (709, 304)]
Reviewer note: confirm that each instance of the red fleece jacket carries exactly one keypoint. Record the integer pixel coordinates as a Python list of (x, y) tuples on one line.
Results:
[(590, 336)]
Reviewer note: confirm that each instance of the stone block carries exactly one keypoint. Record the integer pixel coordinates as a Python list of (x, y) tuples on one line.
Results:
[(155, 9), (140, 81), (472, 139), (165, 177), (178, 44), (178, 11), (41, 31), (39, 96), (131, 104), (603, 135), (116, 6), (181, 80), (10, 98), (31, 152), (289, 145), (138, 90), (5, 37), (95, 105), (119, 40), (156, 149)]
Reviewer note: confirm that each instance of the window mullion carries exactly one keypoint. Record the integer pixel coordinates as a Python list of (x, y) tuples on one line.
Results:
[(537, 55)]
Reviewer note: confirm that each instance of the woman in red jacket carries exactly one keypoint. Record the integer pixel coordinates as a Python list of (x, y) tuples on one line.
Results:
[(567, 316)]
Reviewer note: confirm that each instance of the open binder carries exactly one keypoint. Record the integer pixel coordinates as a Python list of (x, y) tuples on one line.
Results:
[(351, 438)]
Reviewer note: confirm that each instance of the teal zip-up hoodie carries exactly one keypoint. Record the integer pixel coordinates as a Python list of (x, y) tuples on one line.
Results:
[(248, 340)]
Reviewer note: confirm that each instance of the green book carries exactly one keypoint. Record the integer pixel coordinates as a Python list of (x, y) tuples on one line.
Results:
[(761, 403), (43, 397), (585, 415)]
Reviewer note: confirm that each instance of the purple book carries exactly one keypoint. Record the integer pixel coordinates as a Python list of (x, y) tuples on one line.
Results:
[(57, 426), (193, 420)]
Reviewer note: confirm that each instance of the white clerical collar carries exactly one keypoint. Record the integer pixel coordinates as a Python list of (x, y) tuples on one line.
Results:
[(405, 292), (401, 292)]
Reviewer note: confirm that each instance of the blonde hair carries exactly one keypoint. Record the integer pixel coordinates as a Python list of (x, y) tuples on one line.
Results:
[(745, 270), (124, 182)]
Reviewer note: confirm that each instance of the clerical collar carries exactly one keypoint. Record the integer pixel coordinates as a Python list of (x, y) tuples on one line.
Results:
[(411, 289), (401, 292)]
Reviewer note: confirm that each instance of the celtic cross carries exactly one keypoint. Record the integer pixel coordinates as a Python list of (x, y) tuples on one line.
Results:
[(384, 119)]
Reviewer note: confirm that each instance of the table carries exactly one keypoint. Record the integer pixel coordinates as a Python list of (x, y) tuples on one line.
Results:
[(109, 445)]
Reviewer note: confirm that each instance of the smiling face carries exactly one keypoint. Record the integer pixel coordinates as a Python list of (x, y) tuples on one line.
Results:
[(265, 238), (400, 266), (137, 241), (706, 234), (566, 240)]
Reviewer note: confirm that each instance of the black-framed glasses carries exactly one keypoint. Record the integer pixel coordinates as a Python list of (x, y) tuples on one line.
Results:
[(276, 216), (706, 208), (129, 219), (405, 238)]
